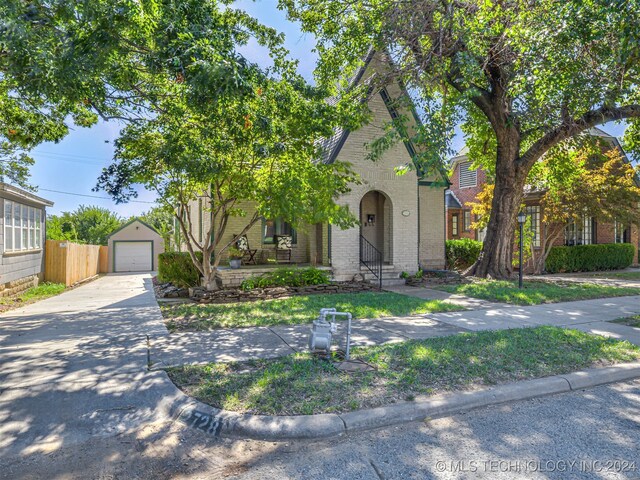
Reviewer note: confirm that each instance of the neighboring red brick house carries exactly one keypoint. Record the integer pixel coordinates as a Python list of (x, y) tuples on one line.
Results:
[(466, 184)]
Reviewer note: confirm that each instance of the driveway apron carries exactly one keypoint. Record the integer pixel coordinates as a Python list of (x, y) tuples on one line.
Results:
[(75, 365)]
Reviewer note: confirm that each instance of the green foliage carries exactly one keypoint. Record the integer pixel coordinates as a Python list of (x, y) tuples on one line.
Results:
[(590, 258), (62, 227), (287, 277), (519, 77), (418, 275), (257, 163), (178, 269), (160, 218), (69, 62), (234, 253), (31, 295), (87, 224), (462, 253)]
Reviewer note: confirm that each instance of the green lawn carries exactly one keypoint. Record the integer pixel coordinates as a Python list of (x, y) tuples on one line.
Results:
[(296, 310), (534, 293), (31, 295), (633, 321), (301, 384)]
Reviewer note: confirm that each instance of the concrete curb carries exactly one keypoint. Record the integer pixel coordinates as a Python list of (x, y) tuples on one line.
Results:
[(216, 422)]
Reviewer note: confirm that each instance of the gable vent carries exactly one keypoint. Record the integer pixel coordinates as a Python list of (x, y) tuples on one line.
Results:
[(468, 177)]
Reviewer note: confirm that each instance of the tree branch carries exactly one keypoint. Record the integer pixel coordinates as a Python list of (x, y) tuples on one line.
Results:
[(574, 126)]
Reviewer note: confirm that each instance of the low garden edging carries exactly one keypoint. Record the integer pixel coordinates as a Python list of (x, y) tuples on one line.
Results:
[(235, 295)]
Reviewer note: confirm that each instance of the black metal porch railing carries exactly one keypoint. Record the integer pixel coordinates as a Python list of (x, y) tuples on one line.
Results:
[(371, 258)]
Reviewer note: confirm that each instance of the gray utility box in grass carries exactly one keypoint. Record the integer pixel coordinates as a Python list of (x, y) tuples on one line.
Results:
[(322, 331)]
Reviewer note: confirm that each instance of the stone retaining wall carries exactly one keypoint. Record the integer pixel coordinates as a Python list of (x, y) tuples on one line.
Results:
[(237, 295), (15, 287)]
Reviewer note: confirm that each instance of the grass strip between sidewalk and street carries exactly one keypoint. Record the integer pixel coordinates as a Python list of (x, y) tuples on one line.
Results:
[(302, 384), (535, 293), (296, 310)]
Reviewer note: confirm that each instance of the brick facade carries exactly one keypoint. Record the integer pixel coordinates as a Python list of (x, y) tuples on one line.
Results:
[(405, 206), (604, 230), (408, 219)]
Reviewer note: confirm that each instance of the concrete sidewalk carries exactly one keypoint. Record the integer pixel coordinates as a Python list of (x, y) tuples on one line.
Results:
[(565, 314), (425, 293), (607, 278), (240, 344)]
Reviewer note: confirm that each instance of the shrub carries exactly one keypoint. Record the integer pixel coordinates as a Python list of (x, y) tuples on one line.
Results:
[(463, 253), (178, 269), (287, 277), (589, 258)]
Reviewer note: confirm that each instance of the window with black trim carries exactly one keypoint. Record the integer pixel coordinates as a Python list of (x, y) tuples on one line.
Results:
[(533, 212), (579, 232), (454, 225), (466, 220), (620, 233), (277, 226)]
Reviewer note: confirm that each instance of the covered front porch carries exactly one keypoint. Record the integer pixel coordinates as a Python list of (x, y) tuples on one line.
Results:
[(233, 277)]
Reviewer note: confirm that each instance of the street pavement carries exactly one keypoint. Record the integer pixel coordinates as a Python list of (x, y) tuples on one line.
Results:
[(587, 434)]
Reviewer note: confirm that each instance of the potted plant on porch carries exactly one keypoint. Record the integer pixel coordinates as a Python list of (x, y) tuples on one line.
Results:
[(235, 257)]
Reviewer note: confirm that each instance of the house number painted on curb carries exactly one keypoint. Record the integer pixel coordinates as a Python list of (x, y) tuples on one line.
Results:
[(205, 422)]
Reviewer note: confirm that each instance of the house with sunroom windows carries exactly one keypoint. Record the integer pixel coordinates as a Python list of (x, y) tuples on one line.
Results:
[(22, 236), (467, 182)]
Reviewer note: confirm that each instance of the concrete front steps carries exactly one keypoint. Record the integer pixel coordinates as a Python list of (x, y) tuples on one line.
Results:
[(390, 276)]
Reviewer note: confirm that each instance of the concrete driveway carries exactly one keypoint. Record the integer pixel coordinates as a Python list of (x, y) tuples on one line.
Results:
[(75, 366)]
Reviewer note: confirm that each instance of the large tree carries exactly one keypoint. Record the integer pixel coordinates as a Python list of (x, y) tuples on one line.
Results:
[(573, 182), (521, 76), (67, 63), (250, 158)]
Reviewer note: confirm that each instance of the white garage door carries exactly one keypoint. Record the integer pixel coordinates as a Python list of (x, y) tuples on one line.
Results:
[(132, 256)]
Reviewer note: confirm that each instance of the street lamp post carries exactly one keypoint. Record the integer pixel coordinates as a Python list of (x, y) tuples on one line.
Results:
[(522, 217)]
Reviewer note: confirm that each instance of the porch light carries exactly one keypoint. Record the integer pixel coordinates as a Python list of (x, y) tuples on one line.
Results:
[(522, 217)]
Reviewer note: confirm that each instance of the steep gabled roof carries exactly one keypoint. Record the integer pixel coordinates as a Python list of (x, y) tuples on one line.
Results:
[(130, 222), (331, 146), (451, 201)]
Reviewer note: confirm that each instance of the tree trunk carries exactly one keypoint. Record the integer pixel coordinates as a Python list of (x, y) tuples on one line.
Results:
[(497, 253)]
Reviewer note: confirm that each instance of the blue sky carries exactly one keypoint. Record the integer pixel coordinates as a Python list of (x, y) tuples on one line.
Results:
[(74, 164)]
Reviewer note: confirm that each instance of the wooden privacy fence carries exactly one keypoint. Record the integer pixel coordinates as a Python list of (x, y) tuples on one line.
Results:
[(70, 263)]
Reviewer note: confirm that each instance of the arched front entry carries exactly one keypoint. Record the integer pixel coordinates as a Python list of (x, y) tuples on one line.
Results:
[(376, 222)]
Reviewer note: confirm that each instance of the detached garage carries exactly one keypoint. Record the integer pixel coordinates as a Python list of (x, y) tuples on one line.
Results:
[(134, 247)]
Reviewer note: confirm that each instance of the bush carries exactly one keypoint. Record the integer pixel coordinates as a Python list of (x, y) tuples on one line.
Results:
[(287, 277), (178, 269), (589, 258), (463, 253)]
